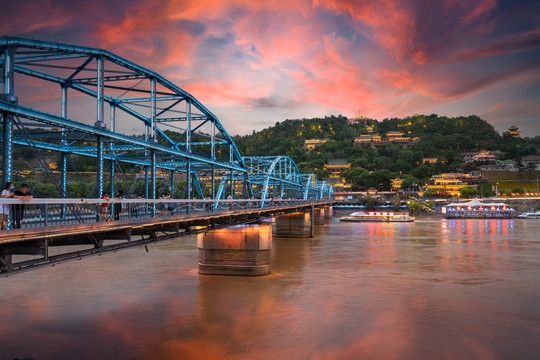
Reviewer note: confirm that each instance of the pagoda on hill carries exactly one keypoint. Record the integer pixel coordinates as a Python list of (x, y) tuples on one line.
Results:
[(514, 131)]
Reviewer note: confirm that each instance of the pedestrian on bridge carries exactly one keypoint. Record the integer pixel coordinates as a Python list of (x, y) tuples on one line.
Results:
[(104, 208), (4, 209), (119, 207), (18, 209), (164, 206)]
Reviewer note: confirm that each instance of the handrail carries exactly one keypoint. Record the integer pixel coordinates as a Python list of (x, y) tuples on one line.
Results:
[(48, 201)]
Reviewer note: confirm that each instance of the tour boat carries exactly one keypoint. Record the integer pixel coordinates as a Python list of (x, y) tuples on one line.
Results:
[(530, 215), (475, 209), (378, 217)]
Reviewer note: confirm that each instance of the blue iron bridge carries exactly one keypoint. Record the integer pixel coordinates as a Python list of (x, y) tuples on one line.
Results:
[(126, 116), (143, 135)]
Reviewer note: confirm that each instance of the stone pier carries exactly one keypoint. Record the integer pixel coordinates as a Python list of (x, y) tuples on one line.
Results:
[(239, 250), (323, 215), (297, 225), (329, 213)]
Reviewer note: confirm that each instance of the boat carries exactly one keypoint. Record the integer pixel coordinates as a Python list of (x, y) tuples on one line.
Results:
[(530, 215), (476, 209), (378, 216)]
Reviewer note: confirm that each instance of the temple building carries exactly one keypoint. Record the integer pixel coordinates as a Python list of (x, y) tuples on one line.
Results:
[(336, 166), (514, 131), (373, 139), (311, 144), (451, 183)]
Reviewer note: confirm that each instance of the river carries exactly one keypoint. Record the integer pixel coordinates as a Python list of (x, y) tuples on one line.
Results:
[(433, 289)]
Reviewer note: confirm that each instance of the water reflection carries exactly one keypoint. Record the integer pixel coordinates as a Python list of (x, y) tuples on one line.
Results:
[(431, 289)]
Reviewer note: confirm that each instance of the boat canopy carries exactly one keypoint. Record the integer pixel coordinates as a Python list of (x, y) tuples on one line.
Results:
[(473, 203)]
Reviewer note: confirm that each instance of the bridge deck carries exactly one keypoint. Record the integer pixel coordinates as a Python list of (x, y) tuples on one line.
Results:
[(49, 232), (28, 248)]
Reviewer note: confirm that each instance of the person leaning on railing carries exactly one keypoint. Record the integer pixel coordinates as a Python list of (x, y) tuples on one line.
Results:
[(104, 208), (18, 209), (119, 207), (4, 208)]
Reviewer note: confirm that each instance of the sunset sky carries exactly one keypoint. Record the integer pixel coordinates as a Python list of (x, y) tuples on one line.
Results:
[(253, 63)]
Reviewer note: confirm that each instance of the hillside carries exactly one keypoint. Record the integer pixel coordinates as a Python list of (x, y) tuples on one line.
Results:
[(440, 137)]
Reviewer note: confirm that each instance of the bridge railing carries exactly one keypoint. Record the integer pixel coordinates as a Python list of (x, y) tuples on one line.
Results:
[(53, 212)]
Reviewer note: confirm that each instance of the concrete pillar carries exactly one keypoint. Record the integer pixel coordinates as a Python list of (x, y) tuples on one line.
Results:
[(329, 213), (297, 225), (240, 250), (323, 215), (319, 215)]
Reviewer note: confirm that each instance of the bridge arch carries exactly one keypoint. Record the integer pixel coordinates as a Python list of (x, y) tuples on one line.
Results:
[(278, 176)]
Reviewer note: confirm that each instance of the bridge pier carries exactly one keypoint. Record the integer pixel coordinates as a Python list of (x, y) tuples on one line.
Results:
[(296, 225), (323, 215), (239, 250), (319, 216), (328, 213)]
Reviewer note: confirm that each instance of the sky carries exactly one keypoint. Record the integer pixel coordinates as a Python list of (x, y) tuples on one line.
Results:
[(253, 63)]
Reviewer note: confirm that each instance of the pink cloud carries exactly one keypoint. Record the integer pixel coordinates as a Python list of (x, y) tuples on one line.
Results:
[(387, 58)]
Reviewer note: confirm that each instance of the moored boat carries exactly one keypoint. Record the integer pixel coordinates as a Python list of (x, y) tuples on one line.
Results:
[(475, 209), (530, 215), (378, 216)]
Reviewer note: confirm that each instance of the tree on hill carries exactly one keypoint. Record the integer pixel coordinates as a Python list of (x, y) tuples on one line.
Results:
[(409, 182), (468, 192)]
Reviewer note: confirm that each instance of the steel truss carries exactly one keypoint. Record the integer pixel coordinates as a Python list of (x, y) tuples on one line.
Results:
[(133, 108)]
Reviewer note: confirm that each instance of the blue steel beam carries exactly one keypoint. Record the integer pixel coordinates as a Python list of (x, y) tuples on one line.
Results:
[(158, 98), (7, 119), (35, 58), (92, 81), (170, 119), (80, 67)]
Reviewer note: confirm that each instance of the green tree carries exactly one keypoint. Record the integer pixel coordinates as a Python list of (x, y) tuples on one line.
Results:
[(323, 174), (396, 202), (371, 201), (414, 206), (382, 179), (409, 181), (429, 193), (468, 192), (358, 177)]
